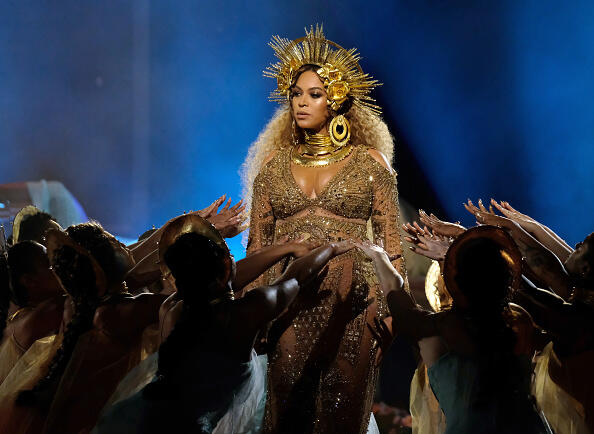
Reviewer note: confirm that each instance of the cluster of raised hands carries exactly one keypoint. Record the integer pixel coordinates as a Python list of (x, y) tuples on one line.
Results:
[(544, 252)]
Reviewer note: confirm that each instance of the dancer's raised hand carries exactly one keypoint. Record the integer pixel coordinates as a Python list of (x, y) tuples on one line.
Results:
[(426, 243), (440, 227), (211, 209), (230, 220)]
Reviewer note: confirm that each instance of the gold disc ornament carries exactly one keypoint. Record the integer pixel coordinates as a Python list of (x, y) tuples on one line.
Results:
[(340, 130)]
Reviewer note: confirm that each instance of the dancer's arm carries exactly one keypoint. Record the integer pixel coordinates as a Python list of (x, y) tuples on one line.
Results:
[(252, 266), (266, 303), (130, 316), (542, 233), (228, 220), (407, 318), (145, 272)]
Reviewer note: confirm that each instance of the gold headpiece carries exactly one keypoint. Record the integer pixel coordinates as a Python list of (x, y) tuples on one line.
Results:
[(193, 223), (339, 68)]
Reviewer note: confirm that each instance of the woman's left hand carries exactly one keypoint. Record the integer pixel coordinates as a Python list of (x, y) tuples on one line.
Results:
[(230, 220), (426, 243)]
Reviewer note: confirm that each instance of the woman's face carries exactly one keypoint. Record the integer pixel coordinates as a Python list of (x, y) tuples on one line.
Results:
[(309, 102)]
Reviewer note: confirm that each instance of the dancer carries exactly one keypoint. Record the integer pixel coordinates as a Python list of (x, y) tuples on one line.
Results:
[(481, 383), (208, 357), (34, 298), (321, 169)]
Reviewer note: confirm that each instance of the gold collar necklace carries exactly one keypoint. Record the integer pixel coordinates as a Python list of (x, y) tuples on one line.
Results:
[(318, 150)]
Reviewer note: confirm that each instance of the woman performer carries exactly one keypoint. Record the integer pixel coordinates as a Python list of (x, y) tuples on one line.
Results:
[(321, 170), (207, 361)]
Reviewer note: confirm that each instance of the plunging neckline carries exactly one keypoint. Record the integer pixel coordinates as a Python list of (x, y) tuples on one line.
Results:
[(326, 186)]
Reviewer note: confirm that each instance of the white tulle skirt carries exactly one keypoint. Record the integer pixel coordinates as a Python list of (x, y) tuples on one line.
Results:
[(246, 411)]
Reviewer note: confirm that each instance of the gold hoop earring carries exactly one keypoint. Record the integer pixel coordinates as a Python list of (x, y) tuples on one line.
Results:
[(340, 130)]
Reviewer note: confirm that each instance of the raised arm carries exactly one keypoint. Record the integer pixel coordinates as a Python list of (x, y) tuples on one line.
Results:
[(228, 220), (407, 318), (131, 316), (252, 266), (541, 262), (265, 303), (542, 233)]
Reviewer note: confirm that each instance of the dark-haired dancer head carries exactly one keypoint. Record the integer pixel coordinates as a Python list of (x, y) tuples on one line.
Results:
[(32, 301), (207, 356)]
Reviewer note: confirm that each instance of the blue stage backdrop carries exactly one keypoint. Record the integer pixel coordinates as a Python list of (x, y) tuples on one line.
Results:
[(146, 108)]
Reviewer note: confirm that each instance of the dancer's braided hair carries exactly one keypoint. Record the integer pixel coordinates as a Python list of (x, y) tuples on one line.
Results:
[(195, 262), (78, 277)]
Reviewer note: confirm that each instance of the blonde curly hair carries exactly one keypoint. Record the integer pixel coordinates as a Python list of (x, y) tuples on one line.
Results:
[(367, 129)]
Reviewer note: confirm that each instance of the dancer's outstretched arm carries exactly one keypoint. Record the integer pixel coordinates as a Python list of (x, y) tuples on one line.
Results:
[(407, 318), (263, 304), (542, 233), (252, 266)]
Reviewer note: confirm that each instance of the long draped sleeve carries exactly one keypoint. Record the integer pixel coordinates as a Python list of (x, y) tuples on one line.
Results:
[(261, 222), (385, 216)]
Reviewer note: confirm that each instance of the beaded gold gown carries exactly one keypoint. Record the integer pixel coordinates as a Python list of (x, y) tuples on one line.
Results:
[(322, 370)]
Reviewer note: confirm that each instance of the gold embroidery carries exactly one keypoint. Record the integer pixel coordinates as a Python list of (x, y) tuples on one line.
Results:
[(322, 368)]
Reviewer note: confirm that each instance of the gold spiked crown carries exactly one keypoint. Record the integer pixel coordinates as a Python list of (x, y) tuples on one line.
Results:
[(338, 67)]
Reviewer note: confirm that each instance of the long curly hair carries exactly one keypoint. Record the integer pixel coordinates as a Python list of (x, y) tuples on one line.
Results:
[(367, 129)]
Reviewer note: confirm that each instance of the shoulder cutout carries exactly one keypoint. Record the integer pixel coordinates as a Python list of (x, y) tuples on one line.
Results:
[(269, 157), (380, 158)]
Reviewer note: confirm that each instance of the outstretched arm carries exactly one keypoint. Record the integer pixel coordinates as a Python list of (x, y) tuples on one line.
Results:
[(542, 264), (252, 266), (408, 319), (548, 310), (305, 269), (131, 316), (228, 220), (542, 233)]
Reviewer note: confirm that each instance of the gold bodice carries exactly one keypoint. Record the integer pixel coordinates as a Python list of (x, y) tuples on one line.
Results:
[(327, 333)]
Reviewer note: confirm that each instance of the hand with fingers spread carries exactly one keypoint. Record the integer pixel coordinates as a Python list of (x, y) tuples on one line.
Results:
[(230, 219), (426, 243), (299, 247), (539, 231), (473, 209), (211, 209), (440, 227)]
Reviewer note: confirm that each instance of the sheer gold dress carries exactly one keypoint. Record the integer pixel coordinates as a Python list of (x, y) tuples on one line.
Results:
[(322, 370)]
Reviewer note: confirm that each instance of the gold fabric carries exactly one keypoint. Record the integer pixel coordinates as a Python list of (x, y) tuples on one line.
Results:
[(144, 372), (564, 413), (321, 372), (23, 376), (427, 416), (97, 365), (10, 353)]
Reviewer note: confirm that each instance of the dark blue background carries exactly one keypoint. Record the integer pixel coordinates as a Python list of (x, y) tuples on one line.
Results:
[(146, 108)]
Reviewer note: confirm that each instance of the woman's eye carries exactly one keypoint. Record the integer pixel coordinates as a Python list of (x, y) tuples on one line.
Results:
[(316, 95)]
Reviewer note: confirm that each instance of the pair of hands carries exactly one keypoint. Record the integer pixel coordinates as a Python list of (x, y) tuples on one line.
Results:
[(229, 221), (435, 236)]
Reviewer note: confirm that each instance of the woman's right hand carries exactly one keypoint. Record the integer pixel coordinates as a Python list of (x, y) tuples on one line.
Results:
[(426, 243), (441, 227)]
